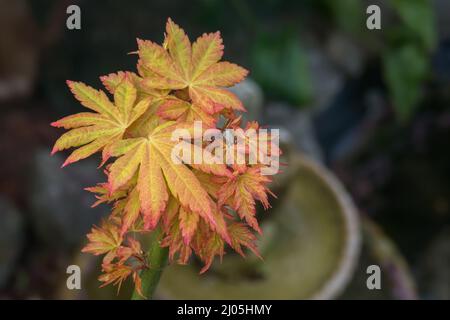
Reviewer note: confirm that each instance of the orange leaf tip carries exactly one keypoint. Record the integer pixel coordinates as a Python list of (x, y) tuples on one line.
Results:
[(109, 188), (54, 150), (104, 159), (66, 163)]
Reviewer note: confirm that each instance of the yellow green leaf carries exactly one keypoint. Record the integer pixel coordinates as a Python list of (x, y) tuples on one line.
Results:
[(206, 50), (179, 47), (188, 224), (152, 189), (93, 132), (222, 74)]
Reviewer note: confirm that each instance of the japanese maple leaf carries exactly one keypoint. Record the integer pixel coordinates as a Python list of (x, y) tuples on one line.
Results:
[(131, 211), (151, 157), (91, 131), (115, 274), (252, 144), (189, 222), (176, 109), (241, 191), (150, 118), (241, 236), (205, 243), (103, 240), (194, 69), (113, 80), (209, 248), (103, 195)]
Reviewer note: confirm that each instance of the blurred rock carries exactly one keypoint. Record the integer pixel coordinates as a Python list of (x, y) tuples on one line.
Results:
[(345, 54), (346, 122), (442, 8), (252, 98), (358, 135), (296, 128), (11, 239), (60, 207), (441, 64), (343, 115), (433, 273), (327, 81)]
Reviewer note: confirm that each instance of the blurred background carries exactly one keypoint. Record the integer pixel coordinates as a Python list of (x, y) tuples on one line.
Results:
[(365, 120)]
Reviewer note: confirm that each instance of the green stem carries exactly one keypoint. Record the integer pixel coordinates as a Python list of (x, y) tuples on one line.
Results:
[(157, 259)]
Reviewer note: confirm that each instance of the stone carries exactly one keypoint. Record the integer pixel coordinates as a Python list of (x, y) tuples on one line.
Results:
[(60, 207), (251, 95), (442, 8), (326, 79), (346, 54), (11, 239), (296, 128)]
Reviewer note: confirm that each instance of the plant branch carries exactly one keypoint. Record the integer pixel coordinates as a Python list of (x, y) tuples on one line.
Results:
[(157, 260)]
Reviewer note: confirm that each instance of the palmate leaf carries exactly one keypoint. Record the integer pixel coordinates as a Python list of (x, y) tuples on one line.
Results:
[(150, 119), (113, 80), (211, 247), (183, 111), (188, 224), (130, 211), (115, 275), (202, 78), (103, 240), (103, 195), (151, 157), (241, 236), (91, 131), (241, 191)]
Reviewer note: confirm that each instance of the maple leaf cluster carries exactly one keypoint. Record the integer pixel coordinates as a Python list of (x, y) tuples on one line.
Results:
[(200, 208)]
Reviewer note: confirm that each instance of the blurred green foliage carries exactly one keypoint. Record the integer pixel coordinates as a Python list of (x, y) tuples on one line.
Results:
[(418, 21), (348, 15), (407, 44), (280, 66), (404, 70), (279, 63), (406, 58)]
